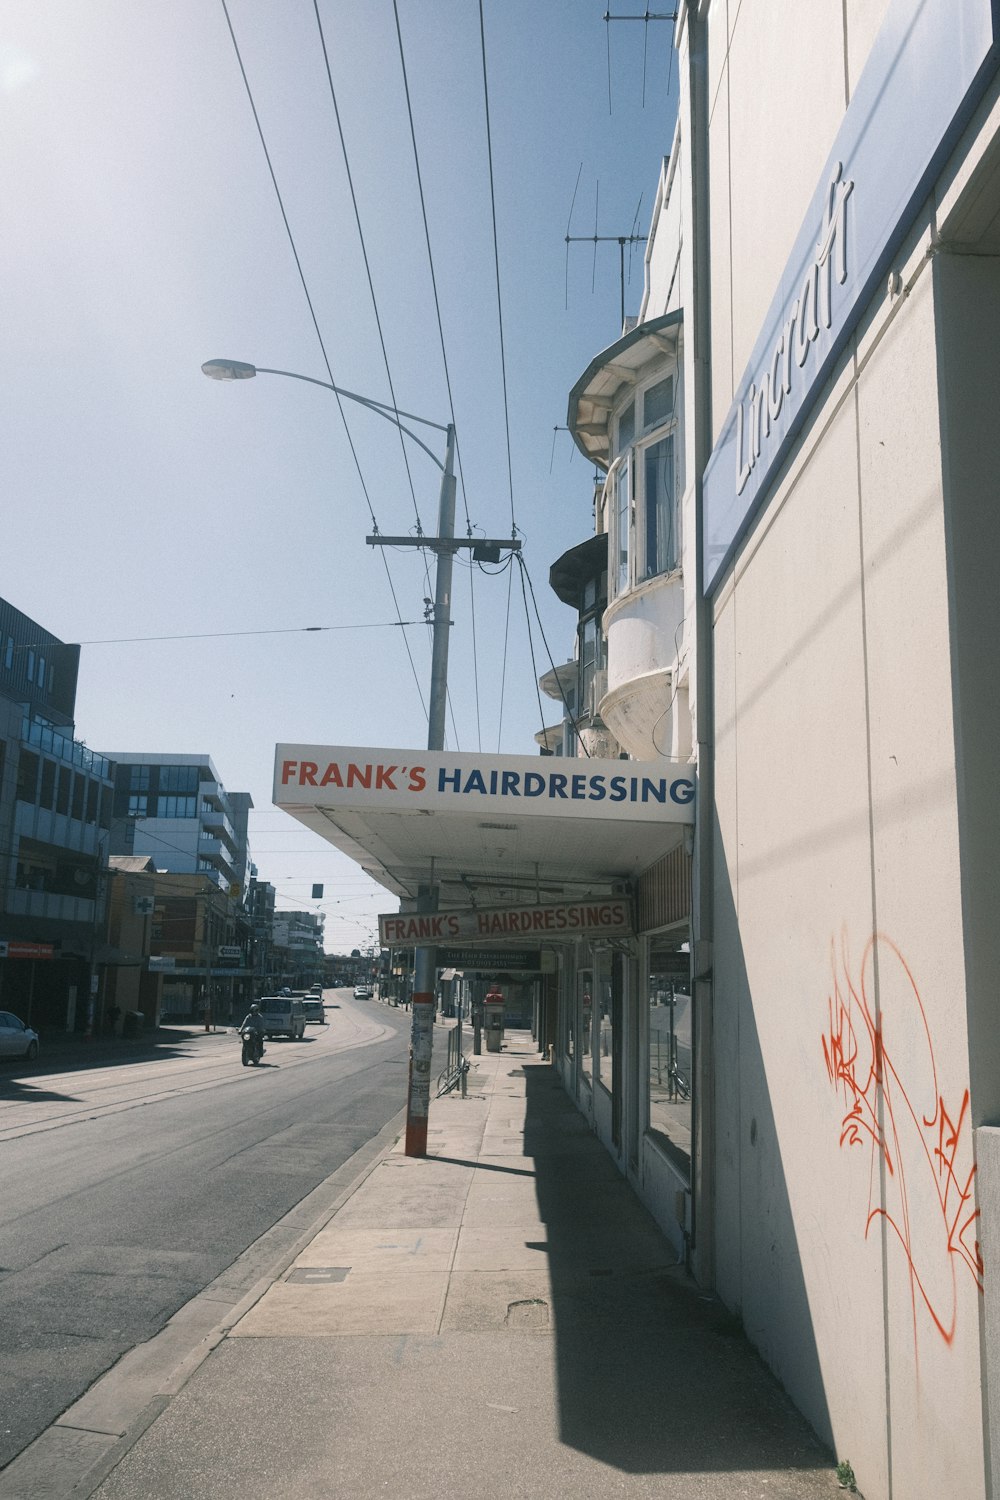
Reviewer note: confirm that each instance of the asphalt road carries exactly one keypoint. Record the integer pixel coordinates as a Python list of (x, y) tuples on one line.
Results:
[(128, 1188)]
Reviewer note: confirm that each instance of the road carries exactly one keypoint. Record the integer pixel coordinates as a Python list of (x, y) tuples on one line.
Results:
[(128, 1188)]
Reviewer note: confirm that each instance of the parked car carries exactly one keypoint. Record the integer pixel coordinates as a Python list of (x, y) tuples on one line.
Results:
[(16, 1039), (362, 992), (283, 1015), (315, 1012)]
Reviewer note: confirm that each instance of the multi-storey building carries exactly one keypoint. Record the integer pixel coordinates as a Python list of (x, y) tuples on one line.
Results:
[(819, 628), (298, 947), (260, 909), (175, 809), (55, 816)]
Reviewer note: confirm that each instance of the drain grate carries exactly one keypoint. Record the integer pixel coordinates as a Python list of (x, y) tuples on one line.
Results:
[(318, 1275), (531, 1312)]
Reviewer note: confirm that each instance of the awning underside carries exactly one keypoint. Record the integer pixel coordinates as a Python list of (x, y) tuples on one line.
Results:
[(492, 861)]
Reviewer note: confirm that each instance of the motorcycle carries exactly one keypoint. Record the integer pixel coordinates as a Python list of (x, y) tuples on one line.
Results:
[(253, 1047)]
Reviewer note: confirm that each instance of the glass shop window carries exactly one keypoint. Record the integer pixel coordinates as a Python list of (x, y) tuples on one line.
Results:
[(671, 1036)]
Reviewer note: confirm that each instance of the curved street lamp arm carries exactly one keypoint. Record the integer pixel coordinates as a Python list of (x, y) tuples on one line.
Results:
[(391, 413)]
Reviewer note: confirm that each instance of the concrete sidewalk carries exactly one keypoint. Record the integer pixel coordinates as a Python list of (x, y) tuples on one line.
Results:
[(500, 1319)]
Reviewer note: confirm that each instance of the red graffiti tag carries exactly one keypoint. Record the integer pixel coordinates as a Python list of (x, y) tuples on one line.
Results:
[(922, 1146)]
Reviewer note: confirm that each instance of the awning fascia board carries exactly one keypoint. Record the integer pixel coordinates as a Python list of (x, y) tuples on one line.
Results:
[(623, 363)]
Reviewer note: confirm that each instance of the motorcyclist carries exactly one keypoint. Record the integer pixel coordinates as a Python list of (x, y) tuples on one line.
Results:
[(253, 1021)]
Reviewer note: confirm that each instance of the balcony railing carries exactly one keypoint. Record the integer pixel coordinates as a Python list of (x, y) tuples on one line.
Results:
[(44, 737)]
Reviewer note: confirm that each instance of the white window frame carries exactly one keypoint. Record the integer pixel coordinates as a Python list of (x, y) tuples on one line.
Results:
[(629, 465)]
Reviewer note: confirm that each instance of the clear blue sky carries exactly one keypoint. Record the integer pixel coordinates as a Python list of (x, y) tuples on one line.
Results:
[(140, 235)]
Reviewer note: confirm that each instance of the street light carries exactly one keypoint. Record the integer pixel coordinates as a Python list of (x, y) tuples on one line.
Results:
[(444, 547)]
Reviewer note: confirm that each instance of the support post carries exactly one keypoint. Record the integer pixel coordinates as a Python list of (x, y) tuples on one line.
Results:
[(425, 958)]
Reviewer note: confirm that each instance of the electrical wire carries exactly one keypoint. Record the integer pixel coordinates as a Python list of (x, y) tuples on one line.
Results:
[(506, 641), (364, 253), (444, 360), (322, 345), (496, 263), (531, 647), (220, 635), (569, 712)]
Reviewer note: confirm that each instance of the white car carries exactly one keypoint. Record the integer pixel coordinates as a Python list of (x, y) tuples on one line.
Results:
[(16, 1039), (362, 992), (314, 1009)]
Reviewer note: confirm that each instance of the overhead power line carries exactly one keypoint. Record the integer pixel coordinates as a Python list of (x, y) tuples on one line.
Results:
[(322, 345), (444, 360), (221, 635), (364, 253)]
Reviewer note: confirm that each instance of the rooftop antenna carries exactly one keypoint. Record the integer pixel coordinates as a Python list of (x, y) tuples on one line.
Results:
[(552, 455), (595, 239), (647, 16)]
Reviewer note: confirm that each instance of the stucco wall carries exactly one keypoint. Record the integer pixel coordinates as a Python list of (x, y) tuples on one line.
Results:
[(838, 921)]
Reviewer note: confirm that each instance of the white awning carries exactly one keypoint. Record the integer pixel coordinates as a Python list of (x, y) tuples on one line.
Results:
[(487, 830)]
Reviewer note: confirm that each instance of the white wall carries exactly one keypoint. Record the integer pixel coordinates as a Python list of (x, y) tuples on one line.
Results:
[(843, 1153)]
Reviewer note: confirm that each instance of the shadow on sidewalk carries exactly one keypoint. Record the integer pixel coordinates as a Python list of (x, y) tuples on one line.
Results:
[(653, 1376)]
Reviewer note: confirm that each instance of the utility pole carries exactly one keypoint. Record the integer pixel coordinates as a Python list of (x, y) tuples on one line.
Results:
[(444, 546)]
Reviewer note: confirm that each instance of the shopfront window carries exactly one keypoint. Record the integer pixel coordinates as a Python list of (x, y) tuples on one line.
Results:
[(605, 1022), (585, 1003), (670, 1050)]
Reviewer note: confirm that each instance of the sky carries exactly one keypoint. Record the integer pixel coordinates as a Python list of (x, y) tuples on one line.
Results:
[(141, 235)]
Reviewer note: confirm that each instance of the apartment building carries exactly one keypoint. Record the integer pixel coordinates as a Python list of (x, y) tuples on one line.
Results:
[(55, 818)]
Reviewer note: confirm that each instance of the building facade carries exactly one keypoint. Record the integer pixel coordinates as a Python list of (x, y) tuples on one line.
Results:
[(175, 809), (839, 277), (297, 938), (55, 818)]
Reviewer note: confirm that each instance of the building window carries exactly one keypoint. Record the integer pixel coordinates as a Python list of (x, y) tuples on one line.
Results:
[(31, 666), (660, 550), (137, 804), (585, 1003), (8, 656), (79, 788), (92, 790), (605, 1016), (105, 813), (63, 789), (670, 1051), (623, 525), (47, 784), (27, 776), (41, 671), (176, 807), (179, 779), (138, 778), (643, 520), (626, 428), (657, 403)]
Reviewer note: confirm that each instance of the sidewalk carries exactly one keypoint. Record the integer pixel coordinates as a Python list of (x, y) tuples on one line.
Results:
[(500, 1319)]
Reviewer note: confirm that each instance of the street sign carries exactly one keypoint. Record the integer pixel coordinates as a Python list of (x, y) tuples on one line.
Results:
[(162, 961), (524, 960), (11, 949), (611, 916)]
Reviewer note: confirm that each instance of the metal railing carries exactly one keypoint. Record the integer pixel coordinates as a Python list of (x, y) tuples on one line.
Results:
[(456, 1067)]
